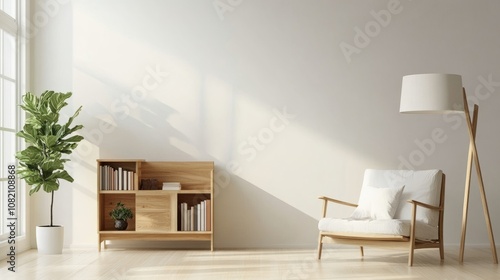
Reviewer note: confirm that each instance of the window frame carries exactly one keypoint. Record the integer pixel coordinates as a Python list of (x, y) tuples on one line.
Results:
[(17, 28)]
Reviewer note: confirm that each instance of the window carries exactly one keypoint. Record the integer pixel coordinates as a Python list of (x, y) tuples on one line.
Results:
[(11, 80)]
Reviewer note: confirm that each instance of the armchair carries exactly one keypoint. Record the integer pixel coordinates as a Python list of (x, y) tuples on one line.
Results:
[(396, 209)]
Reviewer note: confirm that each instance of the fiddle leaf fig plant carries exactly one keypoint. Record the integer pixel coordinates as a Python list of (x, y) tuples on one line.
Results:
[(48, 140)]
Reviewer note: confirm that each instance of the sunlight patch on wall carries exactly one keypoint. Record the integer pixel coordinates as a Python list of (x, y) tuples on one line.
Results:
[(136, 82), (219, 119)]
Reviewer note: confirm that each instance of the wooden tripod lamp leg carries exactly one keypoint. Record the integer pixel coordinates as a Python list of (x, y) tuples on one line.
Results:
[(473, 156), (467, 189)]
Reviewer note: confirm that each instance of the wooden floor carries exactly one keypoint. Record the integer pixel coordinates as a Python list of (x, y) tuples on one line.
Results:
[(342, 263)]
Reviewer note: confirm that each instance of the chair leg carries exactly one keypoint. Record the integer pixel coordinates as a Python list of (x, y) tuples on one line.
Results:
[(412, 250), (362, 251), (320, 245), (410, 258), (412, 234)]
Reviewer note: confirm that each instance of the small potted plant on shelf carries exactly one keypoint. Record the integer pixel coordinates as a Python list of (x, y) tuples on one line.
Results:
[(121, 214)]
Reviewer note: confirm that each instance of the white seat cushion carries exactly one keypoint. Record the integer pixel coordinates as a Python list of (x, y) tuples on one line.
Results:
[(393, 227)]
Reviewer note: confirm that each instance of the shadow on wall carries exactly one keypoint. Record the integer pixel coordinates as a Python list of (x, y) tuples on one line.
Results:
[(245, 214)]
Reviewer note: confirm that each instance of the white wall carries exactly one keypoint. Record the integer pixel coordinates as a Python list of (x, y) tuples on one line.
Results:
[(291, 99)]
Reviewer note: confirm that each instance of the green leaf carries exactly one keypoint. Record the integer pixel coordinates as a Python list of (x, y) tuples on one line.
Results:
[(48, 167), (76, 138), (57, 100), (73, 129), (70, 120), (59, 131), (50, 186), (30, 103), (34, 122), (29, 138), (61, 175), (30, 155), (29, 174), (49, 140), (34, 189)]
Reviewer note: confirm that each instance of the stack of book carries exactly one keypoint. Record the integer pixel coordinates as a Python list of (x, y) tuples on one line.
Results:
[(171, 186), (196, 217), (116, 179)]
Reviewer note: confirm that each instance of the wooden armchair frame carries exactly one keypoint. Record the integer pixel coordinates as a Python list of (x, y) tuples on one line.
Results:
[(383, 240)]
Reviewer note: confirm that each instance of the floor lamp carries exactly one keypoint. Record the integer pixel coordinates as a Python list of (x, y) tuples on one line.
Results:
[(443, 93)]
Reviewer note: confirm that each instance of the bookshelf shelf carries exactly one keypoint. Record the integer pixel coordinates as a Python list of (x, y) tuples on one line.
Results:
[(117, 192), (158, 214), (156, 191)]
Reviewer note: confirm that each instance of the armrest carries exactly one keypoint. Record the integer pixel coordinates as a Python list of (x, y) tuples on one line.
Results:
[(413, 223), (425, 205), (329, 199)]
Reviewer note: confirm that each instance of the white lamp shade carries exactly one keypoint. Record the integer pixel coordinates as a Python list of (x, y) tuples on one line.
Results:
[(431, 93)]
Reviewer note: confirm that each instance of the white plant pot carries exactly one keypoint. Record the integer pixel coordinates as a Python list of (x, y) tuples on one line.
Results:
[(49, 240)]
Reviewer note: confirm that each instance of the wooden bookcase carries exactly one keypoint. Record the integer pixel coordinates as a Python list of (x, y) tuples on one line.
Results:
[(157, 213)]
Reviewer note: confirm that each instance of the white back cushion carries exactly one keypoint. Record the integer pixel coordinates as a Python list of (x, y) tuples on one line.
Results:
[(420, 185)]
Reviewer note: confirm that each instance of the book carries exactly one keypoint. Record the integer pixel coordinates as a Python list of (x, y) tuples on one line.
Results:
[(120, 179), (115, 180), (202, 216), (172, 186), (208, 215), (183, 215), (192, 219), (186, 217), (131, 180)]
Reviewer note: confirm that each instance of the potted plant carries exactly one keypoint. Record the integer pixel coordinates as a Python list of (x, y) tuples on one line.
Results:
[(41, 164), (121, 214)]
